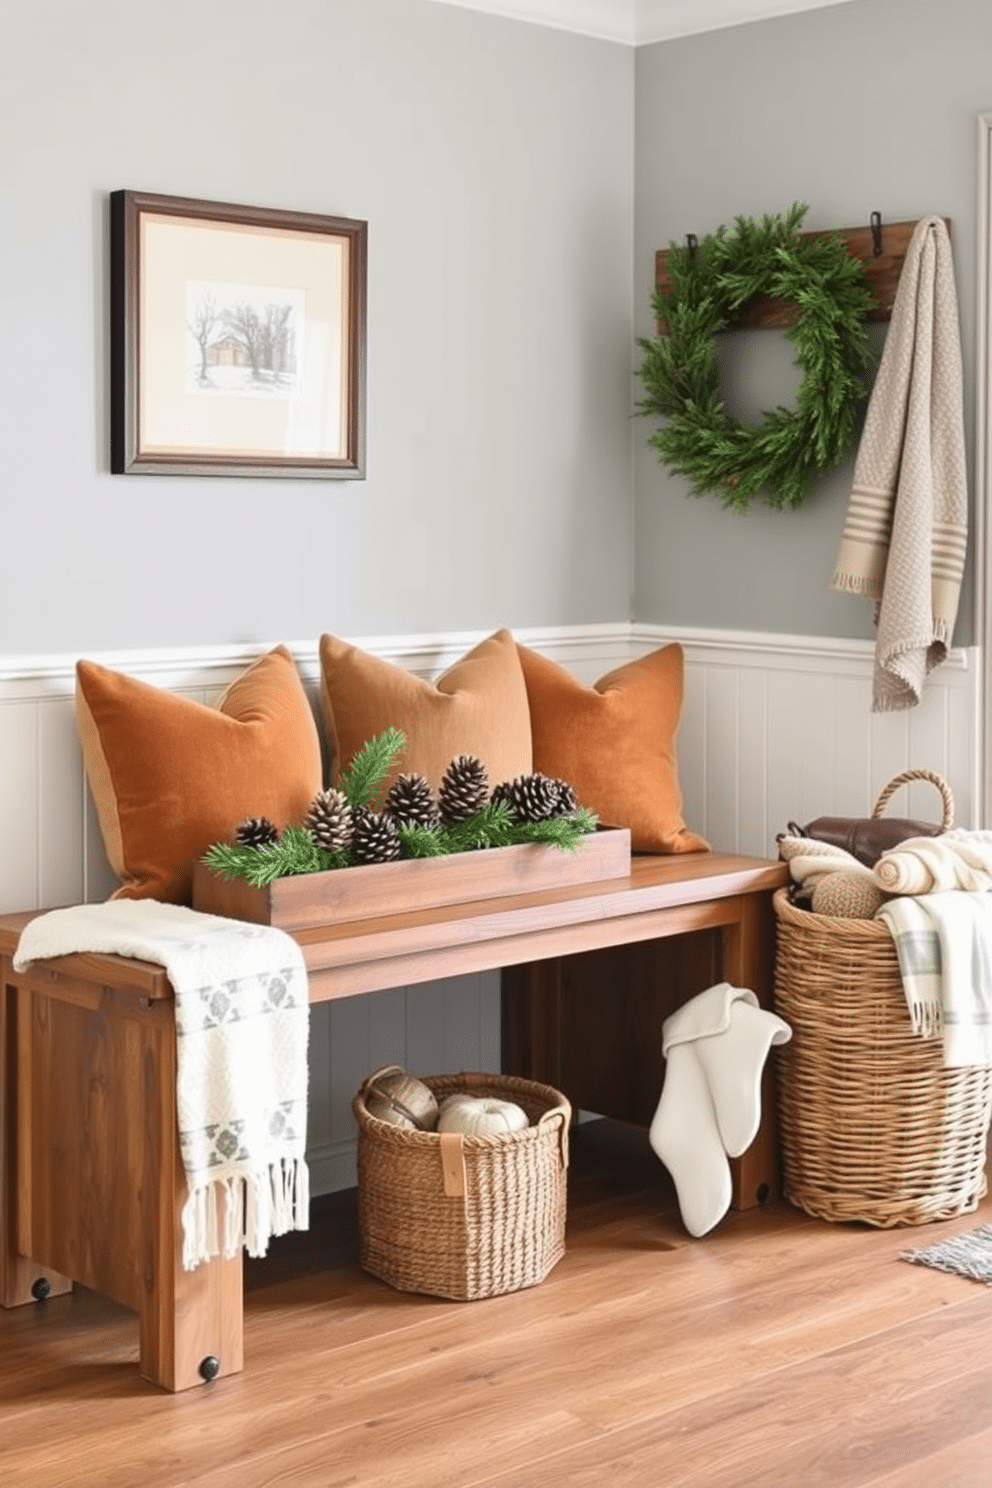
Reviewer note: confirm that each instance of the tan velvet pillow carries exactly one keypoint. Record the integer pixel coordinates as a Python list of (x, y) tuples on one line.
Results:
[(479, 706), (614, 743), (170, 776)]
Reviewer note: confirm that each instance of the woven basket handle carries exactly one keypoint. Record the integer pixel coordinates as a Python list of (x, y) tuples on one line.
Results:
[(386, 1069), (369, 1081), (561, 1116), (904, 779)]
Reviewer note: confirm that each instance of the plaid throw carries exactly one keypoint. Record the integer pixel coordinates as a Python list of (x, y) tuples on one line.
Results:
[(944, 947), (906, 530), (242, 1025)]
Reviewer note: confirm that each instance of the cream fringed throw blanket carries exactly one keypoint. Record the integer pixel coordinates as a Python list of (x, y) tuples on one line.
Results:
[(944, 947), (242, 1026), (906, 530)]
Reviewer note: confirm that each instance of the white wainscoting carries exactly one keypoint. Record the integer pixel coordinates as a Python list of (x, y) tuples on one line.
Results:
[(779, 728), (774, 728)]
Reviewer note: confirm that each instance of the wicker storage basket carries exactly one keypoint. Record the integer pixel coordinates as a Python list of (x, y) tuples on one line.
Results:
[(459, 1216), (873, 1127)]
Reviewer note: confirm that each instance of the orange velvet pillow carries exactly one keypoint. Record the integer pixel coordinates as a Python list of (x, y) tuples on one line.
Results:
[(170, 776), (479, 707), (614, 743)]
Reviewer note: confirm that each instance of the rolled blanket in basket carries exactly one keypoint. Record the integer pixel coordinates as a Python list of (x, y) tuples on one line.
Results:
[(810, 860), (932, 865), (944, 947), (242, 1026)]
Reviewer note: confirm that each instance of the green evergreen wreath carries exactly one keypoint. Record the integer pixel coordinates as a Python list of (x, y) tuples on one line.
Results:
[(786, 452)]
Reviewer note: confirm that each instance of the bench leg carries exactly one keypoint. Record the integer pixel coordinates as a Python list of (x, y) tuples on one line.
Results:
[(92, 1177), (191, 1322), (21, 1279), (749, 961)]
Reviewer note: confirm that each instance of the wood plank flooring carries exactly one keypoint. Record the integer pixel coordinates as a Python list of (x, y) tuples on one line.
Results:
[(778, 1350)]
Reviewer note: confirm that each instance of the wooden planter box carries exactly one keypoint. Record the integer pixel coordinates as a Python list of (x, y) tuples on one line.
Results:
[(347, 894)]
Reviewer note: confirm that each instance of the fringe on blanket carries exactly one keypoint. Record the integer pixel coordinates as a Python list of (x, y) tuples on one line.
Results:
[(848, 583), (926, 1018), (255, 1206)]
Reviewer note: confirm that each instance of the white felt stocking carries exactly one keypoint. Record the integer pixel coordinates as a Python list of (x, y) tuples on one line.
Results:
[(715, 1049), (732, 1061), (685, 1135)]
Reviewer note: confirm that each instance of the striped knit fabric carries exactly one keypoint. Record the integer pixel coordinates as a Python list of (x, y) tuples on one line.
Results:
[(906, 530)]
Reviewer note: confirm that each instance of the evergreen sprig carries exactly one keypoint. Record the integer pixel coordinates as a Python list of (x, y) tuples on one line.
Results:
[(564, 832), (496, 825), (421, 842), (369, 765), (785, 452), (295, 851)]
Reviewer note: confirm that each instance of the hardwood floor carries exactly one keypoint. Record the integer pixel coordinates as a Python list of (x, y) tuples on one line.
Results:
[(778, 1350)]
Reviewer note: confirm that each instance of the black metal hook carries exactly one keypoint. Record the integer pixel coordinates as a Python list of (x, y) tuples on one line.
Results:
[(876, 234), (691, 243)]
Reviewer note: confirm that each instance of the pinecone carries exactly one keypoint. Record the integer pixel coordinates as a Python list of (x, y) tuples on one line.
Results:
[(375, 837), (464, 788), (568, 801), (329, 820), (533, 797), (411, 803), (255, 831)]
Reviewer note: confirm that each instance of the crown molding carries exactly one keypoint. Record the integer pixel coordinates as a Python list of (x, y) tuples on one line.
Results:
[(607, 20), (639, 22), (664, 20)]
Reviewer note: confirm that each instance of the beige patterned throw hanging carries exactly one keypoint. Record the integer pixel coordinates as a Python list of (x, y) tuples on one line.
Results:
[(905, 535)]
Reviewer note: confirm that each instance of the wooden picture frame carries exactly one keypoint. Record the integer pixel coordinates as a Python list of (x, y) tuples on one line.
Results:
[(237, 340)]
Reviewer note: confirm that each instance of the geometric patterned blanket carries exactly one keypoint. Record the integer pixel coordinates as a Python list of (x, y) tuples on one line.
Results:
[(242, 1029)]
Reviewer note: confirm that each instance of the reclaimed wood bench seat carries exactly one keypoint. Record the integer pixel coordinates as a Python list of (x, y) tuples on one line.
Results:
[(91, 1180)]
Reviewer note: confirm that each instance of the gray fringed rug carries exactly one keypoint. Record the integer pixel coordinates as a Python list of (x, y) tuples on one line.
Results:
[(965, 1255)]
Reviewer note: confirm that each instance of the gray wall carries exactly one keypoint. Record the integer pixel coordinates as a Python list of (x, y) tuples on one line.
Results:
[(513, 226), (493, 162), (864, 107)]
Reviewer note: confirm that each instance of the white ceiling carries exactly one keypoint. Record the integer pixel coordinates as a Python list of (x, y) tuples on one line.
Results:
[(639, 21)]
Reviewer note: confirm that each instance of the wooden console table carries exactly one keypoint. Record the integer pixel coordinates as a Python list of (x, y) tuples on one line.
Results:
[(91, 1180)]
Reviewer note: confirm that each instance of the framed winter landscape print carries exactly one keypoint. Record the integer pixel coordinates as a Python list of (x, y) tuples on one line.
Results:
[(237, 340)]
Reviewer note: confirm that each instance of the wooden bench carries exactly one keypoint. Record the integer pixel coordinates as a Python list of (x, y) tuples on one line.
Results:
[(91, 1180)]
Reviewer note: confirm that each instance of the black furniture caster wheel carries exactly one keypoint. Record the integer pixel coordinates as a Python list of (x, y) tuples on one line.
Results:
[(210, 1367), (41, 1288)]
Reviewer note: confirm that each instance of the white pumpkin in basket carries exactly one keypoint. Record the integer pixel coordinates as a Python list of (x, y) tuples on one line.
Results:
[(480, 1115)]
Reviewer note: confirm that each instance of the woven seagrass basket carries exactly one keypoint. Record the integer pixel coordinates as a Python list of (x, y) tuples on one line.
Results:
[(873, 1126), (461, 1216)]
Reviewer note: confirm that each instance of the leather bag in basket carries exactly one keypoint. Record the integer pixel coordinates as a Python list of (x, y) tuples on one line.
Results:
[(868, 837)]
